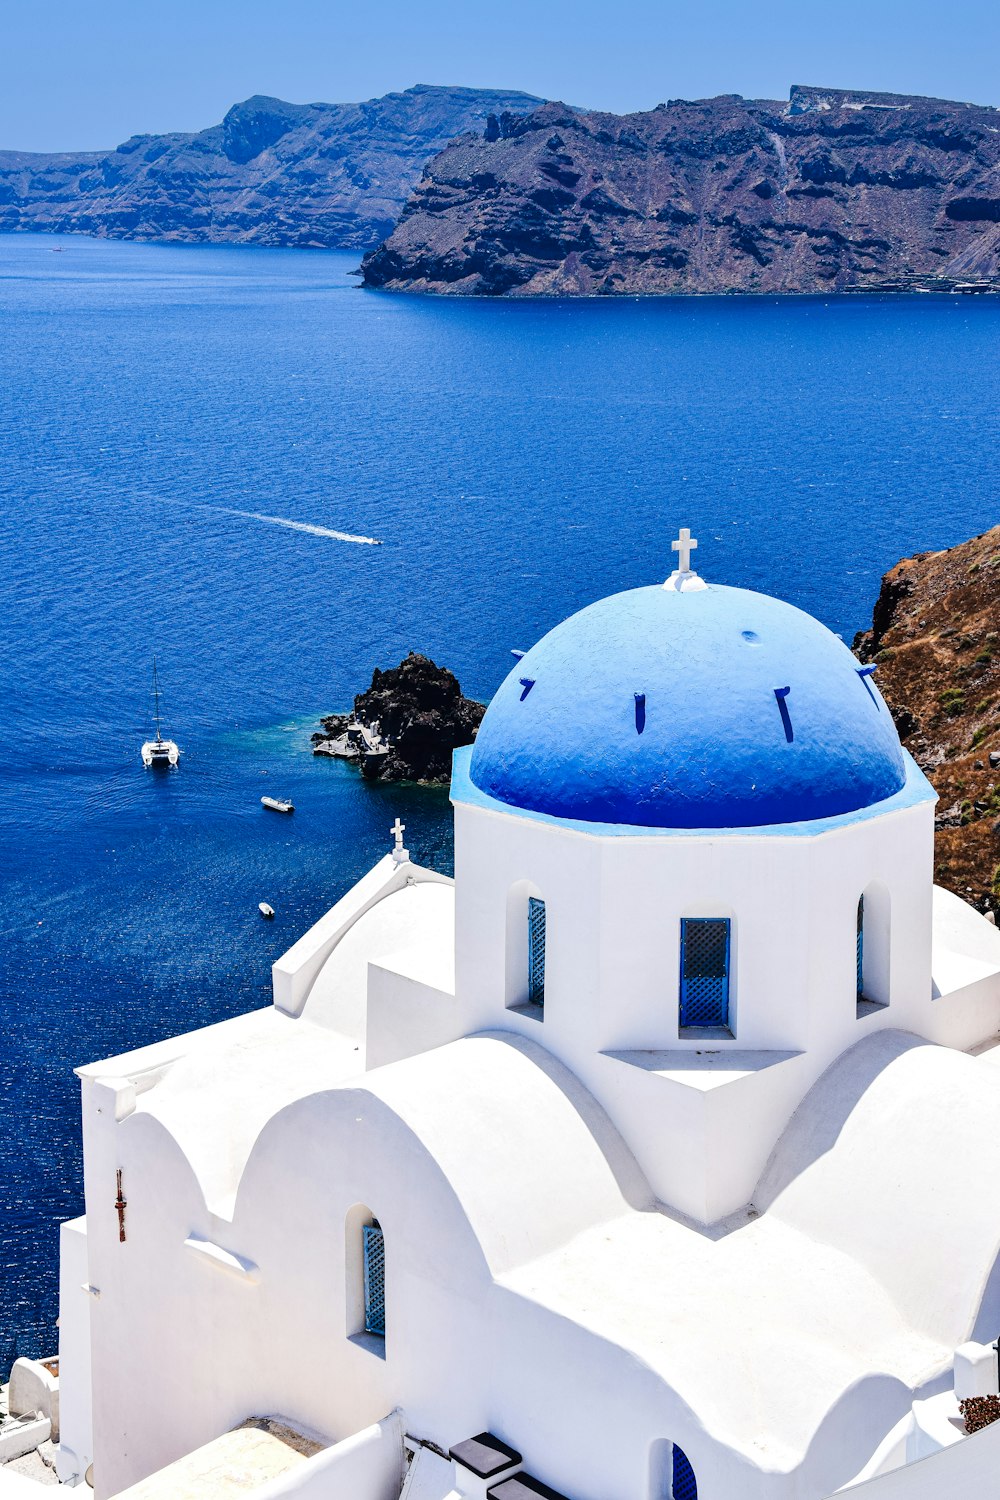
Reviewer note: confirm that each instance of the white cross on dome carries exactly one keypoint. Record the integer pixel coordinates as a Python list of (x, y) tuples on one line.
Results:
[(684, 546), (684, 579)]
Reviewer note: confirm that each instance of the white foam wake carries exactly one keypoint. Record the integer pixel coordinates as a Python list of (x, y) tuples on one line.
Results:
[(338, 536), (256, 515)]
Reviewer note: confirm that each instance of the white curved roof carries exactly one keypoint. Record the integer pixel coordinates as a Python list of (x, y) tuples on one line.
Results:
[(894, 1157), (530, 1155), (216, 1095), (417, 917), (866, 1257)]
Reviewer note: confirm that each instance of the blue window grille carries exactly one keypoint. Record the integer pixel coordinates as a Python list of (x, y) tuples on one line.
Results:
[(374, 1247), (860, 951), (683, 1485), (536, 951), (705, 971)]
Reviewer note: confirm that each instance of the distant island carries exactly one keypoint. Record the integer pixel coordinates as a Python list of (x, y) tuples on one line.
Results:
[(833, 191), (497, 193), (271, 173)]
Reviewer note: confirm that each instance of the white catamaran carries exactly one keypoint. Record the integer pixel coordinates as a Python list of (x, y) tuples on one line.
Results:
[(159, 752)]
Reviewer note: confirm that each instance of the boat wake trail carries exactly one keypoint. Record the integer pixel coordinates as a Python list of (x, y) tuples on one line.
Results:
[(256, 515), (338, 536)]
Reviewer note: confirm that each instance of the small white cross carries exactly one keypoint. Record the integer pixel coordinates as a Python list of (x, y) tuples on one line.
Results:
[(684, 546), (398, 829)]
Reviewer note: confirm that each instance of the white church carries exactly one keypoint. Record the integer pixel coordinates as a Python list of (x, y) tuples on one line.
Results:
[(655, 1155)]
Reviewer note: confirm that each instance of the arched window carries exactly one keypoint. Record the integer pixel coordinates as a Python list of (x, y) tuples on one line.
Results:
[(536, 951), (526, 940), (374, 1252), (705, 962), (872, 949), (364, 1268), (683, 1485), (671, 1475)]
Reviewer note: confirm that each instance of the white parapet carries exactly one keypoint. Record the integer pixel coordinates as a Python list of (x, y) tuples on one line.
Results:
[(76, 1298), (21, 1435), (976, 1371), (269, 1456), (965, 1470), (369, 1465), (294, 972), (34, 1390)]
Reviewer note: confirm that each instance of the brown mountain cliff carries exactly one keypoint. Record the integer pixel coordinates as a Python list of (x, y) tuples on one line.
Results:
[(834, 190), (936, 638)]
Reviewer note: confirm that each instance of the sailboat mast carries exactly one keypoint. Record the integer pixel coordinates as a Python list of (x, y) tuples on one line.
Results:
[(156, 699)]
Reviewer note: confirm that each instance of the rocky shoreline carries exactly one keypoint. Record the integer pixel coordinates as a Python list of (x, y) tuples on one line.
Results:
[(405, 726), (935, 638)]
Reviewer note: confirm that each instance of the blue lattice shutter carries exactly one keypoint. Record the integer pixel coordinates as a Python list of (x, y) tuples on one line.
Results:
[(536, 951), (860, 951), (374, 1279), (684, 1485), (704, 971)]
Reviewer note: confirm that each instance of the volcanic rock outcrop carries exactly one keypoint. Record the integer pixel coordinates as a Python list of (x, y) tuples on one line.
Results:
[(271, 174), (419, 709), (833, 191), (936, 639)]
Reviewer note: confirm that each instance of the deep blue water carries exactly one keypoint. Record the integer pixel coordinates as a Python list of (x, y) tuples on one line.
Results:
[(515, 459)]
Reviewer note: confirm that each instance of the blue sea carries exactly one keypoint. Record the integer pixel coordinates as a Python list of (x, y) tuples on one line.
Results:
[(164, 410)]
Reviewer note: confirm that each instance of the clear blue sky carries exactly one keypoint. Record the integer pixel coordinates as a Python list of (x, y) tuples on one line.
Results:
[(84, 74)]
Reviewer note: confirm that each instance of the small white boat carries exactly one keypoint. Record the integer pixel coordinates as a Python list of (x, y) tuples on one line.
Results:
[(277, 804), (265, 910), (159, 752)]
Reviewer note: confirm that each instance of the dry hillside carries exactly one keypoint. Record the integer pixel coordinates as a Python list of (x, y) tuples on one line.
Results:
[(936, 638)]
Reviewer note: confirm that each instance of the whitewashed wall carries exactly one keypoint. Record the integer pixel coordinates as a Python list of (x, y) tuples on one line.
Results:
[(702, 1126)]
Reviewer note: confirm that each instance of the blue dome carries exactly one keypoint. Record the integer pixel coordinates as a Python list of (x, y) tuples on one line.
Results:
[(710, 708)]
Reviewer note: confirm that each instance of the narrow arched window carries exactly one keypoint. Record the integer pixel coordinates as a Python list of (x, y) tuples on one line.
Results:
[(705, 954), (872, 949), (524, 982), (364, 1279), (374, 1256), (536, 951), (683, 1485)]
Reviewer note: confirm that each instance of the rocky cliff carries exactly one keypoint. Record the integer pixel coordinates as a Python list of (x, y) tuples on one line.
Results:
[(832, 191), (936, 638), (419, 709), (271, 174)]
